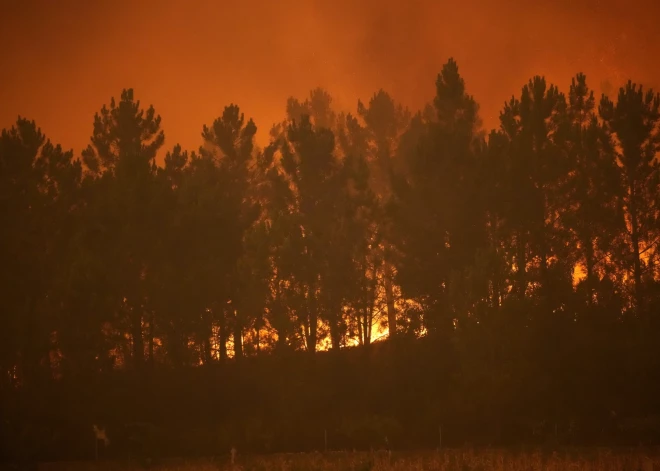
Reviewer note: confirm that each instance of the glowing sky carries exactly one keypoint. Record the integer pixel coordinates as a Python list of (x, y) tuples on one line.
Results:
[(61, 60)]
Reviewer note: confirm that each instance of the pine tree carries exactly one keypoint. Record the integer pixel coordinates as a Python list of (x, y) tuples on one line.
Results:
[(537, 168), (593, 191), (122, 153), (229, 145), (436, 208), (634, 121), (385, 122)]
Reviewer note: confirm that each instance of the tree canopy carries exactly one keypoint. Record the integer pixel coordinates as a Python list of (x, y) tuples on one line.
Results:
[(467, 272)]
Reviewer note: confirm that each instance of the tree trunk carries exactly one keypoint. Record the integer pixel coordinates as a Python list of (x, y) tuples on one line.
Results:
[(30, 344), (335, 338), (360, 327), (222, 335), (206, 347), (178, 350), (634, 234), (521, 262), (496, 281), (138, 341), (282, 343), (368, 318), (152, 329), (336, 320), (313, 321), (389, 298), (238, 336), (313, 324), (280, 325), (495, 303), (589, 262), (545, 279)]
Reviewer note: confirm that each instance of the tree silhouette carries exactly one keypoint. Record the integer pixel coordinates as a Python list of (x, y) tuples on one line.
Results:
[(318, 107), (229, 144), (385, 122), (435, 205), (124, 144), (39, 188), (517, 269), (594, 211), (633, 120), (536, 164), (309, 162)]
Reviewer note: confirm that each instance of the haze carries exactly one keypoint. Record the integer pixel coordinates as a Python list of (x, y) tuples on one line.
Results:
[(190, 59)]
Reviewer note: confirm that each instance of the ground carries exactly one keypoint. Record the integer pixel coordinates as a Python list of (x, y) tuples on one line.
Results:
[(461, 459)]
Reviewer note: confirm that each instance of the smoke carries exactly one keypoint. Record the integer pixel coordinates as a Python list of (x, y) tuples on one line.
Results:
[(190, 59)]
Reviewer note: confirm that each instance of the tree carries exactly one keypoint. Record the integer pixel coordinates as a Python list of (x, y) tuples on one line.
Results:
[(202, 225), (385, 122), (536, 171), (277, 201), (178, 275), (319, 212), (229, 144), (122, 154), (317, 107), (39, 184), (23, 334), (633, 121), (309, 163), (361, 278), (593, 191), (496, 262), (439, 222)]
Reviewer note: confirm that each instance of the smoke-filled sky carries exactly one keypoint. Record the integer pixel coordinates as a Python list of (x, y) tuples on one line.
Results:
[(62, 60)]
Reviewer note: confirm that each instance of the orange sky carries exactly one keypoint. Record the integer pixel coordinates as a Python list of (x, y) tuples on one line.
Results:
[(62, 59)]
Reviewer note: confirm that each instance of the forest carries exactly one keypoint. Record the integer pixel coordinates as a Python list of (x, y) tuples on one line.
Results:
[(383, 277)]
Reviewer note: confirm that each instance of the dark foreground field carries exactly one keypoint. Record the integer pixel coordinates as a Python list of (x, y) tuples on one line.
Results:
[(463, 459)]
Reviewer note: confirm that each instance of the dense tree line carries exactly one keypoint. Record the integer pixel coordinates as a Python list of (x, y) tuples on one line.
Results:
[(513, 272)]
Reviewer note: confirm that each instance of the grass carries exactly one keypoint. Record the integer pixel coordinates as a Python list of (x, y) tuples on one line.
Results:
[(447, 460)]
